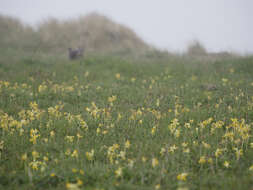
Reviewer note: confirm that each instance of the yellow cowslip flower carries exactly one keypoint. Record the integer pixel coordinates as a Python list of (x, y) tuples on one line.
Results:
[(172, 148), (130, 163), (133, 79), (74, 170), (42, 88), (157, 102), (24, 157), (72, 186), (79, 182), (35, 154), (157, 186), (98, 130), (153, 130), (224, 80), (34, 134), (52, 174), (177, 133), (207, 146), (202, 160), (70, 139), (186, 150), (45, 158), (251, 145), (251, 168), (210, 160), (238, 153), (118, 172), (81, 172), (35, 165), (184, 144), (117, 75), (90, 155), (163, 150), (52, 133), (144, 159), (122, 154), (226, 164), (112, 99), (155, 162), (218, 152), (182, 176), (127, 144), (79, 136), (68, 152), (75, 153)]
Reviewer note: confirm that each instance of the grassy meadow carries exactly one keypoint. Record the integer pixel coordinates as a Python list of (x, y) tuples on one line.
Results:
[(125, 116), (110, 123)]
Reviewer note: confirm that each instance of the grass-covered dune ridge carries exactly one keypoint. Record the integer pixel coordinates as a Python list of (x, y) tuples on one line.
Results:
[(108, 123), (94, 32)]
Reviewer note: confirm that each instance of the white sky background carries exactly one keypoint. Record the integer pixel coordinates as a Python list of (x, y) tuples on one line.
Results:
[(167, 24)]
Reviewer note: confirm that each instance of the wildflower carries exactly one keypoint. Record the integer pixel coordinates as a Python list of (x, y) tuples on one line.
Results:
[(184, 144), (162, 151), (52, 133), (74, 170), (202, 160), (155, 162), (157, 186), (207, 146), (34, 165), (81, 172), (218, 152), (210, 160), (90, 155), (182, 176), (75, 153), (172, 148), (130, 163), (144, 159), (79, 136), (177, 133), (238, 153), (24, 157), (153, 130), (118, 172), (251, 168), (35, 155), (186, 150), (224, 80), (79, 182), (122, 154), (117, 76), (68, 152), (69, 139), (45, 158), (52, 174), (127, 144), (226, 164), (72, 186)]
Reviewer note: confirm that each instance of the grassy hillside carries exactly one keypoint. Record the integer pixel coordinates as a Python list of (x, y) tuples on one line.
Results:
[(93, 32), (108, 123)]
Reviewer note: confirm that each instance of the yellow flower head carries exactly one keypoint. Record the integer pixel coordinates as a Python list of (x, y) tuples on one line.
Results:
[(182, 176)]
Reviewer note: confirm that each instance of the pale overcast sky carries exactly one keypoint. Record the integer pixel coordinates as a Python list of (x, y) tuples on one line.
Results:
[(168, 24)]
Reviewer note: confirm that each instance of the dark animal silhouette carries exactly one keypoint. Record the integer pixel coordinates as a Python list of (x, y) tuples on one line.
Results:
[(75, 53)]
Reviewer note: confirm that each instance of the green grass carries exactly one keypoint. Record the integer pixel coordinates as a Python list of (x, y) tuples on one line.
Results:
[(149, 95)]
